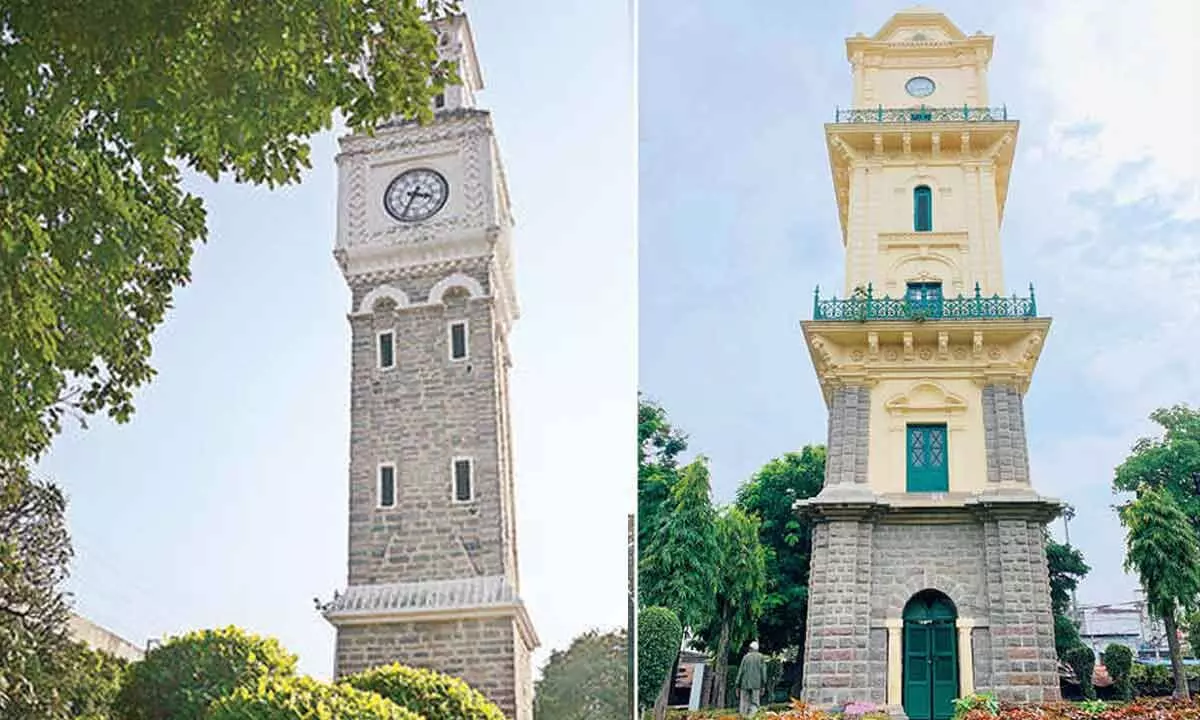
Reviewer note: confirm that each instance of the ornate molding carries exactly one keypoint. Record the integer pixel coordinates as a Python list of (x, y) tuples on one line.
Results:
[(390, 292), (438, 292)]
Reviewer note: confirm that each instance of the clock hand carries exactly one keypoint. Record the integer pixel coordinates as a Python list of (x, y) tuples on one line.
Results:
[(412, 195)]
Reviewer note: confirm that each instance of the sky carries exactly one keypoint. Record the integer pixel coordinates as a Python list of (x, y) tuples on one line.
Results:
[(223, 501), (737, 225)]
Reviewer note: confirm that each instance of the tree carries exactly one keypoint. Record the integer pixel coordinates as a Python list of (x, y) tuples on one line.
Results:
[(1067, 568), (741, 581), (1082, 660), (1171, 463), (1118, 661), (429, 694), (179, 679), (34, 553), (1163, 550), (587, 681), (101, 106), (678, 565), (659, 447), (289, 698), (1066, 635), (660, 635), (787, 542)]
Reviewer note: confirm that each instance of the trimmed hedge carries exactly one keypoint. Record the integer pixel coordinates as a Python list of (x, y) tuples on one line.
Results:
[(659, 635), (1118, 661), (431, 694), (1083, 661), (302, 698)]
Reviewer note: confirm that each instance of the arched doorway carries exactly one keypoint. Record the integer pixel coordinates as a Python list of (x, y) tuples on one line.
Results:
[(930, 657)]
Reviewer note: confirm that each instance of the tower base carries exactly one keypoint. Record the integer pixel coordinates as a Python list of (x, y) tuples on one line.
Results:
[(485, 638)]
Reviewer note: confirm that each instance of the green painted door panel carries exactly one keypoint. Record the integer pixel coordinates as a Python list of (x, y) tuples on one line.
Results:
[(918, 688), (927, 467)]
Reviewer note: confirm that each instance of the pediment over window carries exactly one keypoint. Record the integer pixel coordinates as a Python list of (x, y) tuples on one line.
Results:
[(926, 395)]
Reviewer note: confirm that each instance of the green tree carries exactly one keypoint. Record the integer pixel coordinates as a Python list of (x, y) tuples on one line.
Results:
[(1066, 635), (180, 678), (430, 694), (1067, 568), (102, 106), (34, 555), (678, 565), (787, 542), (1165, 553), (741, 586), (660, 635), (1170, 462), (83, 681), (659, 447), (587, 681), (293, 698), (1083, 661), (1118, 661)]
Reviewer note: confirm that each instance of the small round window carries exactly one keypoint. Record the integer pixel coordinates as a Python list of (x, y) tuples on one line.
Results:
[(919, 86)]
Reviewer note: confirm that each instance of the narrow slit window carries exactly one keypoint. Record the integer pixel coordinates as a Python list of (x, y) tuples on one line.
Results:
[(387, 350), (458, 340), (439, 101), (922, 209), (464, 490), (387, 486)]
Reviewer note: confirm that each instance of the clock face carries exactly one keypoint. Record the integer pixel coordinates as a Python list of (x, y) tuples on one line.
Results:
[(919, 87), (416, 195)]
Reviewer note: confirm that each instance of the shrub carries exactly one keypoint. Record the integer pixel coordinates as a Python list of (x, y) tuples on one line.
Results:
[(1152, 680), (1066, 635), (977, 705), (180, 678), (302, 698), (431, 694), (659, 637), (1118, 660), (1083, 661)]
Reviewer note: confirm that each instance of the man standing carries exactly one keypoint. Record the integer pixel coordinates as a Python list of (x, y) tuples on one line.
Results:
[(751, 679)]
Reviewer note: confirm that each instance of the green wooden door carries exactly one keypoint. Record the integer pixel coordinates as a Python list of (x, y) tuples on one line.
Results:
[(930, 670), (927, 469)]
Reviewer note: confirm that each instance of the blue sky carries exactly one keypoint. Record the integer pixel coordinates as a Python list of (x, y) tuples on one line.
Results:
[(224, 500), (737, 224)]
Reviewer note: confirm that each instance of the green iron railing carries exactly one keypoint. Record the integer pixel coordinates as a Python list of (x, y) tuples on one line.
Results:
[(921, 114), (868, 307)]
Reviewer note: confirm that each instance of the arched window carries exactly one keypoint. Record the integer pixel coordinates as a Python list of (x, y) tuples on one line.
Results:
[(922, 209)]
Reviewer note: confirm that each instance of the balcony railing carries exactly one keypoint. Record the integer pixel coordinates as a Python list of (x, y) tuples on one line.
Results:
[(865, 306), (921, 114)]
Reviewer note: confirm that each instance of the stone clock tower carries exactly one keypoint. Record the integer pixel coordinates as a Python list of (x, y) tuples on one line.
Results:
[(929, 577), (424, 241)]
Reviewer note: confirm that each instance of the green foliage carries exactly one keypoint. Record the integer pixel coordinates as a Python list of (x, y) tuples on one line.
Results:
[(1067, 568), (1151, 680), (1066, 635), (34, 554), (1093, 707), (1118, 661), (660, 635), (659, 446), (983, 702), (585, 682), (787, 542), (102, 107), (428, 693), (1170, 463), (1191, 628), (180, 678), (302, 698), (678, 565), (1083, 661)]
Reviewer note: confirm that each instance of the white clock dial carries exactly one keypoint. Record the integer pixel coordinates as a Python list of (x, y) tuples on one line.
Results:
[(919, 87), (416, 195)]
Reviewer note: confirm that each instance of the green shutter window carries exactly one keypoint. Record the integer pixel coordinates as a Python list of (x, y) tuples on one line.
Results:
[(922, 209), (928, 470), (458, 341), (387, 349), (463, 490), (924, 299), (387, 486)]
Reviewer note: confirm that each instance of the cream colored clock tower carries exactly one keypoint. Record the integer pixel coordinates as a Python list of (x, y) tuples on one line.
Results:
[(929, 577)]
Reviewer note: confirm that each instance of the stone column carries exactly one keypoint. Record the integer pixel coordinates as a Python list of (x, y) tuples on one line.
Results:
[(1004, 435), (966, 657), (895, 661), (848, 444)]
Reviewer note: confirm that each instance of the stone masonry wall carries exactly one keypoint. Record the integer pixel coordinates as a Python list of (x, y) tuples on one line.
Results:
[(486, 653), (1024, 666), (848, 440), (944, 557), (420, 415), (836, 648), (1004, 434)]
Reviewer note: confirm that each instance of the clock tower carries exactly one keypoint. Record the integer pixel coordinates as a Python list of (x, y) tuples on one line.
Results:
[(424, 240), (929, 578)]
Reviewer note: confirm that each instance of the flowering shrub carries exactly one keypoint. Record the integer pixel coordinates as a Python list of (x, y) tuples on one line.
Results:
[(1141, 709)]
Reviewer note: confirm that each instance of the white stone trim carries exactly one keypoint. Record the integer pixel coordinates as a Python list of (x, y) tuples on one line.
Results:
[(454, 461), (466, 340), (379, 486), (379, 350), (390, 292), (438, 292)]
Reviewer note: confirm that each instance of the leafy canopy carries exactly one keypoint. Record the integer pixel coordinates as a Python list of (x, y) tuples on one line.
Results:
[(1171, 462), (102, 107), (587, 681), (741, 582), (1162, 550), (659, 447), (302, 698), (1067, 568), (428, 693)]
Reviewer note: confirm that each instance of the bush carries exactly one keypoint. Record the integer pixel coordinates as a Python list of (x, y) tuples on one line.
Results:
[(180, 678), (1066, 635), (1083, 661), (305, 699), (1118, 660), (1152, 680), (659, 637), (430, 694)]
